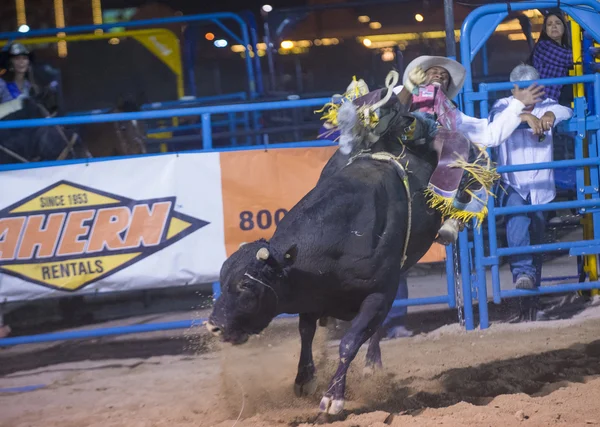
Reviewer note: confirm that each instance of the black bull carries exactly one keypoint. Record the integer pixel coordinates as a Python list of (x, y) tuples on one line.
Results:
[(337, 253)]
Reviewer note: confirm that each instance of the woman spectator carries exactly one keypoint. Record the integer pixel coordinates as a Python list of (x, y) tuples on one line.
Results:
[(17, 81), (552, 56)]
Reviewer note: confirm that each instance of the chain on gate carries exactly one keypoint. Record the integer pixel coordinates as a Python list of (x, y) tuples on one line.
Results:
[(458, 286)]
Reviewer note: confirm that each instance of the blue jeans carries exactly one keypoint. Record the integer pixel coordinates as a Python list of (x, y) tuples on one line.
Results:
[(524, 229), (396, 315)]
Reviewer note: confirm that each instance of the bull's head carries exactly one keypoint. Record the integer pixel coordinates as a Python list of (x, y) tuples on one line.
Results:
[(252, 280)]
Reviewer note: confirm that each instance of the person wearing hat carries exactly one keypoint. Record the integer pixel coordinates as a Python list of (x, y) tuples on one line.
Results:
[(430, 82), (424, 100), (16, 82), (17, 79)]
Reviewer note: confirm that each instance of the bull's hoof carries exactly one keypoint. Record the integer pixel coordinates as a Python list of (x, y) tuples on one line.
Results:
[(307, 389), (372, 366), (331, 406)]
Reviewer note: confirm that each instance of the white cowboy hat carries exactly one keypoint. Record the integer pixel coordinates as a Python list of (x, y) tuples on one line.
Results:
[(456, 70)]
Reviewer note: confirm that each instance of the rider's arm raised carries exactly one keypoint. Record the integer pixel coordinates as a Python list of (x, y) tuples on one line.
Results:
[(505, 122), (405, 97), (411, 86), (495, 133)]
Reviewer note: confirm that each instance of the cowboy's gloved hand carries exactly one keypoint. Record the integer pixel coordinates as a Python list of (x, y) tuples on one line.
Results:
[(415, 78)]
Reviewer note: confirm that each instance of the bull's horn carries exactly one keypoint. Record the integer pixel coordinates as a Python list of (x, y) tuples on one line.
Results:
[(263, 254)]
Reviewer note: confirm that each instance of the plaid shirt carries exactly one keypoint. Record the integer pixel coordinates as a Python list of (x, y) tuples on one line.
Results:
[(551, 61)]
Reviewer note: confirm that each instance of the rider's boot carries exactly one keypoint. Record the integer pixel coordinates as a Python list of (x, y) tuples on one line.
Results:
[(448, 232)]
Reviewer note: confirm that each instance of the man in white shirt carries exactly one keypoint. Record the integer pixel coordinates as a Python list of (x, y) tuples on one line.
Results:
[(528, 146)]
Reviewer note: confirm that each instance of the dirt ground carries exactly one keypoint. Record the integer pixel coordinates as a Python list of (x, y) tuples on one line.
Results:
[(534, 374)]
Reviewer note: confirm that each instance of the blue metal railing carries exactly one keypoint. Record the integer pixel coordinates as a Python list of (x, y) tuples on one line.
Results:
[(231, 122), (182, 128), (166, 326), (161, 114), (204, 112), (582, 204), (237, 96), (589, 123), (100, 332), (476, 29)]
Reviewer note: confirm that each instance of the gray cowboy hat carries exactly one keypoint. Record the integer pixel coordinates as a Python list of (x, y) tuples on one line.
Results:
[(455, 69)]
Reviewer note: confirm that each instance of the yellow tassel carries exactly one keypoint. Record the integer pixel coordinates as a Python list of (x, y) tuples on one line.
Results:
[(484, 175), (331, 115)]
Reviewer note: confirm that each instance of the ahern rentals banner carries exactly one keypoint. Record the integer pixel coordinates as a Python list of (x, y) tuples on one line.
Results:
[(144, 222)]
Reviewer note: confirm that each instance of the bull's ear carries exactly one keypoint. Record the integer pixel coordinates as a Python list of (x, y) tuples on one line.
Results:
[(290, 255)]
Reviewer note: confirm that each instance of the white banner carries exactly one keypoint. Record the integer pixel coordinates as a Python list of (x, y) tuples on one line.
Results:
[(108, 226), (145, 222)]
